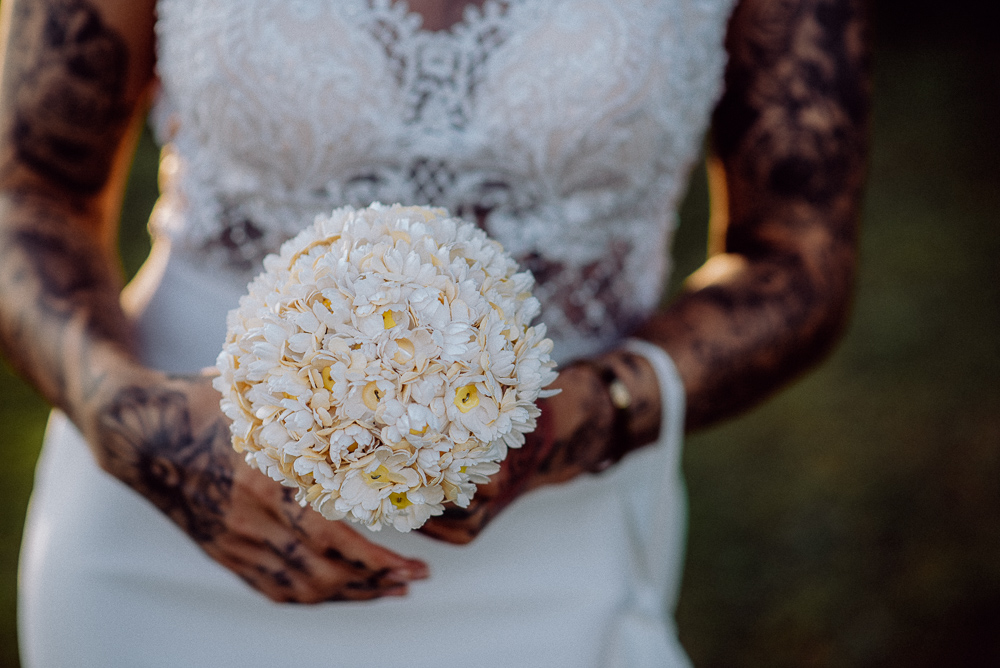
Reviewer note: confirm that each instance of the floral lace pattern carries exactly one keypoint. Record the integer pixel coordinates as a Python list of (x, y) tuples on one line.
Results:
[(565, 128)]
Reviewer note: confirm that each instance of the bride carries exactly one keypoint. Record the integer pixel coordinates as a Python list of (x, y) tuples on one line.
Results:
[(567, 130)]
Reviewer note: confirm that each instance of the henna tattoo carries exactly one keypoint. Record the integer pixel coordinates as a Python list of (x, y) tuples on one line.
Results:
[(791, 134), (69, 105), (797, 98), (336, 555), (291, 561), (371, 583), (588, 444), (288, 553), (72, 276), (278, 577), (64, 273), (65, 111), (365, 579), (59, 299), (176, 469)]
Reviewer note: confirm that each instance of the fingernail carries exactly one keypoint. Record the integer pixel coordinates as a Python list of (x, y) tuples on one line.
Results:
[(412, 571), (419, 571)]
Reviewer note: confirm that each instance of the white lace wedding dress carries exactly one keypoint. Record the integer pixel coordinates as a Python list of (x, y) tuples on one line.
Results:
[(566, 128)]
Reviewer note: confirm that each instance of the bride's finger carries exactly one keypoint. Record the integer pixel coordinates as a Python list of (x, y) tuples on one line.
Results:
[(281, 571), (458, 526), (290, 573), (344, 565), (340, 544), (286, 566)]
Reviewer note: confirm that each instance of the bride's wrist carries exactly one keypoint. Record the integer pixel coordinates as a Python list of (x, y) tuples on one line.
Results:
[(111, 373), (630, 384)]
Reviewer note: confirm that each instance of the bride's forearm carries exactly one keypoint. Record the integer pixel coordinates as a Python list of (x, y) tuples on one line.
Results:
[(749, 330), (61, 325), (790, 137), (73, 85)]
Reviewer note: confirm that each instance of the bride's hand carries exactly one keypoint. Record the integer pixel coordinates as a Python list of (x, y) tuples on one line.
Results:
[(572, 437), (170, 442)]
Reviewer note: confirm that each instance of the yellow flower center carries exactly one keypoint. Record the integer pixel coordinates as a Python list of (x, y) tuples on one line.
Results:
[(388, 320), (400, 500), (378, 476), (328, 378), (371, 395), (466, 398)]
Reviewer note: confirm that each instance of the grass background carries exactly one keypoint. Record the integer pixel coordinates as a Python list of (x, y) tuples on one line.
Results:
[(854, 520)]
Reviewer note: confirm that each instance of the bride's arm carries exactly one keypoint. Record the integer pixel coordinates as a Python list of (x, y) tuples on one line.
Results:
[(75, 79), (790, 141)]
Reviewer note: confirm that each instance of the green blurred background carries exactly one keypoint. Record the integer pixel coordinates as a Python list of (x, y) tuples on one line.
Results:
[(854, 520)]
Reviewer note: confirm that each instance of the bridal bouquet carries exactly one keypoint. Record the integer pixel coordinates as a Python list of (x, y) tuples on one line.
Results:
[(383, 363)]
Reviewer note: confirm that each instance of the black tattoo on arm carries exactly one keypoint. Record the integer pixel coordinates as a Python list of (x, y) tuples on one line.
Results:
[(72, 275), (65, 109), (69, 104), (152, 444), (59, 302), (790, 138)]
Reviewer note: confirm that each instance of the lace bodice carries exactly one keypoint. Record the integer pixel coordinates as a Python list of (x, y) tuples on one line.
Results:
[(566, 128)]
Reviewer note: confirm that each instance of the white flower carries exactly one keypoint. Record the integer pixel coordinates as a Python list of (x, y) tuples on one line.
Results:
[(410, 509), (383, 364)]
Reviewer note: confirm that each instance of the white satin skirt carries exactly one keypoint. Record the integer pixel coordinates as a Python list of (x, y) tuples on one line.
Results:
[(583, 574)]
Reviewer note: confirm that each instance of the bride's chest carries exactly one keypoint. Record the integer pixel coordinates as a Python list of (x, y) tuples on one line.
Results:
[(353, 77), (306, 91)]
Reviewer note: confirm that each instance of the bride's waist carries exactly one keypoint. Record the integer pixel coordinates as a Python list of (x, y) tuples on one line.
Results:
[(179, 306), (182, 295)]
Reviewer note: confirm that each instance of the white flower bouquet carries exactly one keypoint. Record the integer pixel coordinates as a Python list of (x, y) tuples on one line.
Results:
[(383, 363)]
